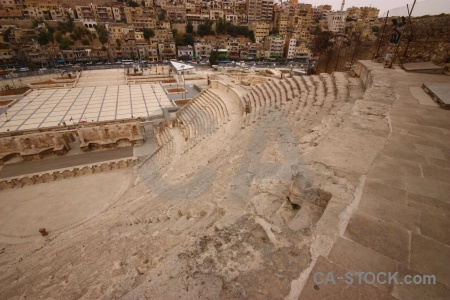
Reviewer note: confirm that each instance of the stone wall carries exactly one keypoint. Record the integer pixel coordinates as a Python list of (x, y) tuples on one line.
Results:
[(37, 143), (33, 146), (110, 135), (427, 39)]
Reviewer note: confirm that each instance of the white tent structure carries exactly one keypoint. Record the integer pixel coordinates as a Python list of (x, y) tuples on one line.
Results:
[(182, 68)]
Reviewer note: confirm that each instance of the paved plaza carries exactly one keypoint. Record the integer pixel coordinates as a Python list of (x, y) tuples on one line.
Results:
[(92, 104)]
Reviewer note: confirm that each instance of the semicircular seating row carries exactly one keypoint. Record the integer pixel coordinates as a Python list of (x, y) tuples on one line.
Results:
[(297, 97), (304, 100)]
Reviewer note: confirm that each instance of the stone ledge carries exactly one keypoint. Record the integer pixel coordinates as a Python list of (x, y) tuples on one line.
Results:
[(59, 174)]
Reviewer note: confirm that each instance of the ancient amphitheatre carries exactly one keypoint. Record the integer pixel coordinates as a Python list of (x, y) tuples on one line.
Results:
[(247, 191)]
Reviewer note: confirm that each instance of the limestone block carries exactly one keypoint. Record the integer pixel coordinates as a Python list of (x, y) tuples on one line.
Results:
[(26, 180), (4, 184), (77, 172), (131, 162), (114, 165), (122, 164), (58, 175), (86, 170), (106, 166), (96, 169), (16, 182), (38, 179), (47, 177), (68, 173)]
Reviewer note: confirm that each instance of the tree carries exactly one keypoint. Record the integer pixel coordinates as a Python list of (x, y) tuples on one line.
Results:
[(221, 26), (162, 15), (322, 42), (69, 23), (189, 39), (43, 38), (251, 36), (65, 44), (189, 27), (118, 43), (213, 57), (131, 3), (274, 31), (102, 33), (58, 36), (316, 30), (205, 28), (375, 29), (132, 55), (6, 34), (85, 42), (148, 33)]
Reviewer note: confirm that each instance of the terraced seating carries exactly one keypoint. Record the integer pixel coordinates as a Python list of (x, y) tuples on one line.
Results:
[(303, 100)]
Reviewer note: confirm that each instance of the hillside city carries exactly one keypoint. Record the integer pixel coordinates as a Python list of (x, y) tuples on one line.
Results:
[(41, 34)]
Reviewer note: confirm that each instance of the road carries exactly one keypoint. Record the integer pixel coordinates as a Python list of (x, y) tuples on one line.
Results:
[(54, 163)]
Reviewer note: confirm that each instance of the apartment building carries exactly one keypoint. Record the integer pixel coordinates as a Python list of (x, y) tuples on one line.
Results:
[(11, 9), (336, 21), (289, 48), (202, 50), (132, 13), (259, 10), (275, 46), (260, 30), (185, 52), (167, 50)]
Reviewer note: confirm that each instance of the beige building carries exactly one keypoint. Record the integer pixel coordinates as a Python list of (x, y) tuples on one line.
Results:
[(202, 50), (275, 46), (260, 30), (259, 10), (336, 21)]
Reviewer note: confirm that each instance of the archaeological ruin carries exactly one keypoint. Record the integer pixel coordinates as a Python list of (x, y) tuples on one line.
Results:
[(259, 182)]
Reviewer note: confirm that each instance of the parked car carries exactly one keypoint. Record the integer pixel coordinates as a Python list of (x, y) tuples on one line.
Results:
[(24, 69)]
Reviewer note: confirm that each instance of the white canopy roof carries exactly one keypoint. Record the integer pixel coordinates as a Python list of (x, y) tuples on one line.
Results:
[(180, 67)]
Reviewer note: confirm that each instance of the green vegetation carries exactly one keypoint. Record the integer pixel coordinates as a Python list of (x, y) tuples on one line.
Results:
[(85, 42), (224, 27), (205, 28), (274, 31), (189, 27), (6, 34), (65, 44), (148, 33), (67, 26), (44, 38), (131, 3), (102, 33), (184, 39), (213, 57), (162, 15)]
